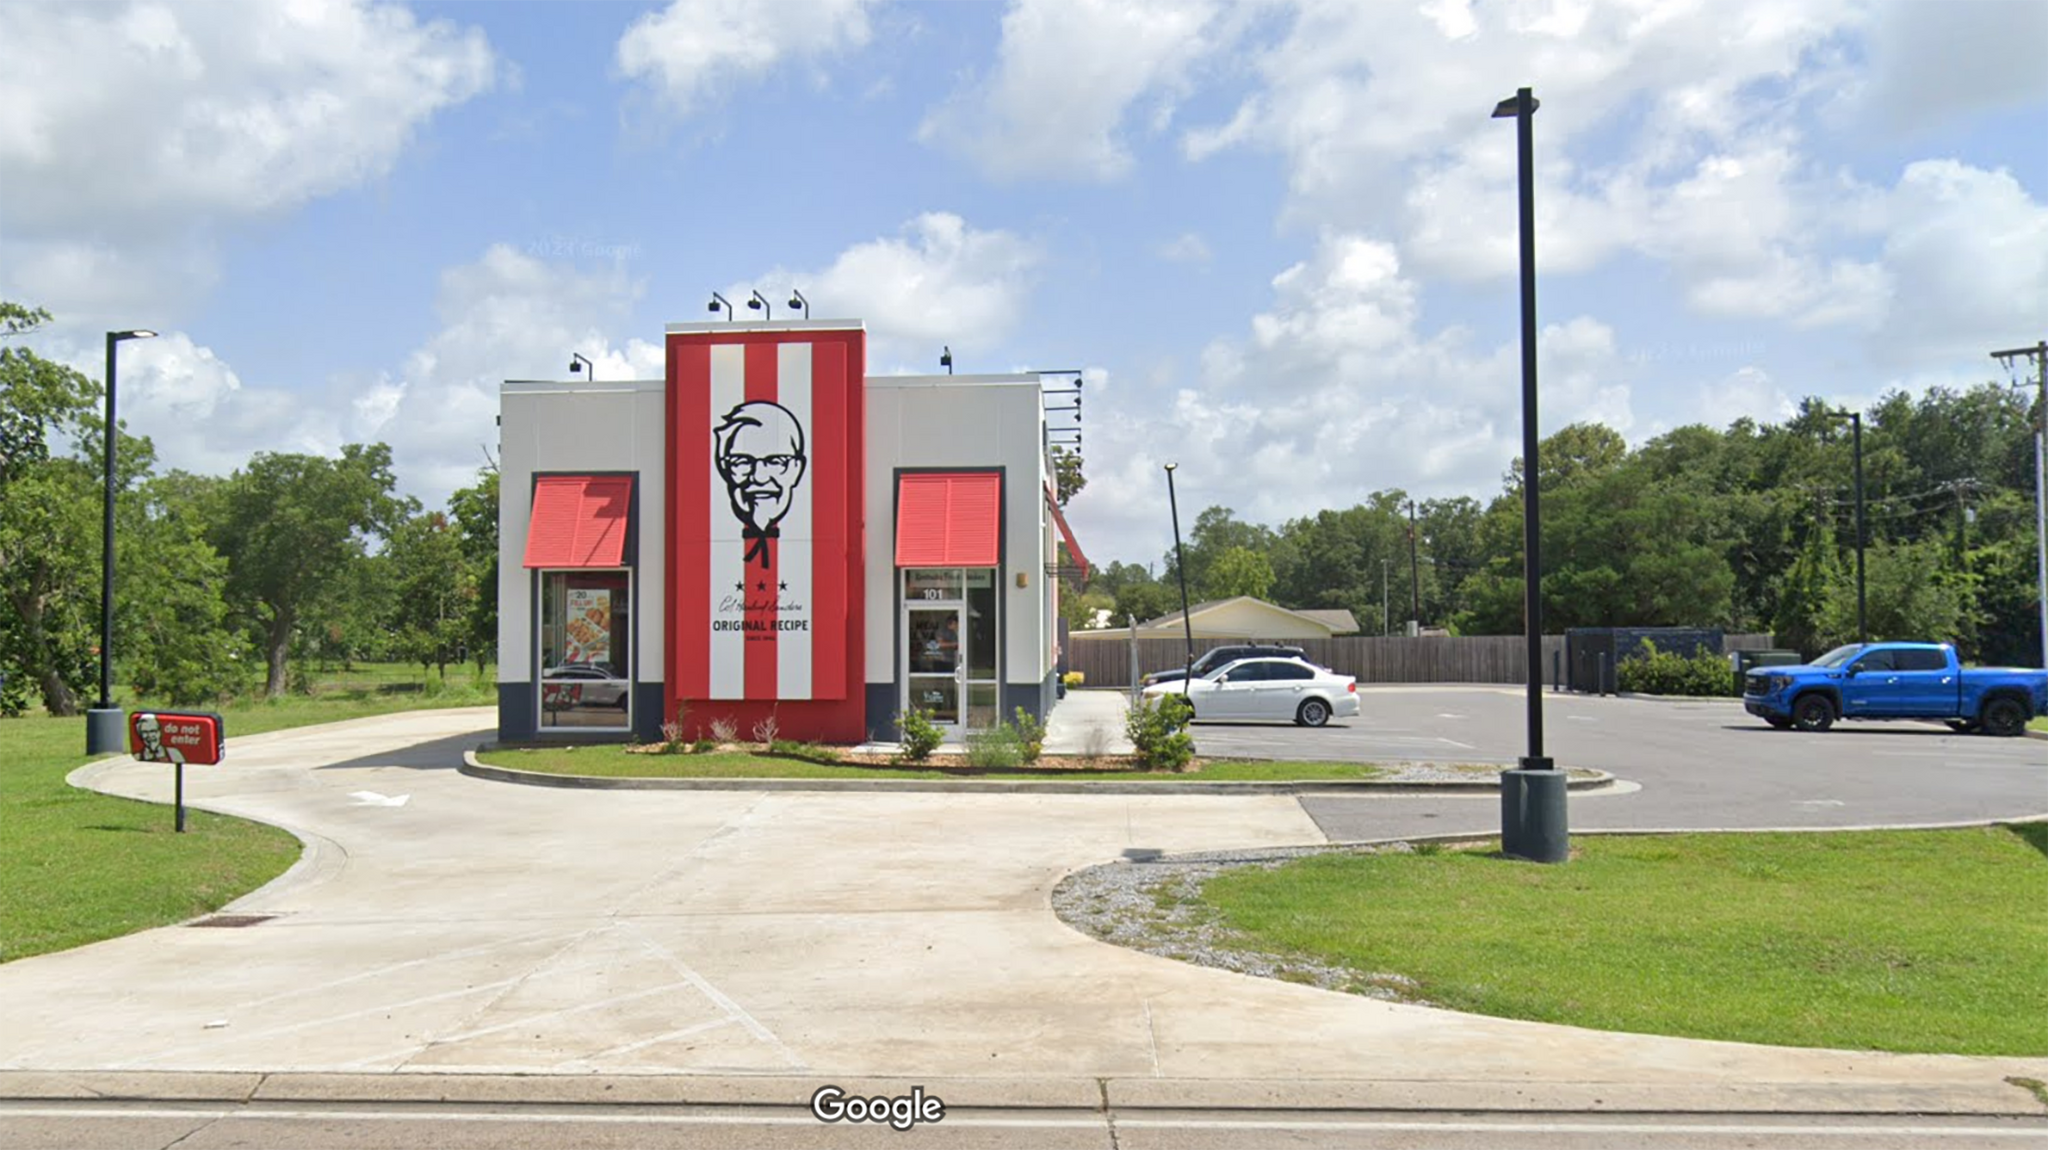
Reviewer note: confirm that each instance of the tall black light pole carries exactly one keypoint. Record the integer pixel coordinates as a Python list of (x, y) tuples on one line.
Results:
[(1532, 796), (1855, 419), (103, 734), (1180, 565)]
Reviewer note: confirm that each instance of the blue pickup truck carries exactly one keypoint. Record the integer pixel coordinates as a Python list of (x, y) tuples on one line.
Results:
[(1896, 681)]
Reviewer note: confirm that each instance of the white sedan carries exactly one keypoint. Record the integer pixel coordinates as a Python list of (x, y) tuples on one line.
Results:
[(1279, 689)]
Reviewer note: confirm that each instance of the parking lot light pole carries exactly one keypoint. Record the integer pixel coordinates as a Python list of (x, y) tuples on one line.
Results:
[(1532, 796), (103, 733), (1180, 565)]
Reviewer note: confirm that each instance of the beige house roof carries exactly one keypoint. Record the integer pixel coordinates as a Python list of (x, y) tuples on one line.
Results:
[(1244, 618)]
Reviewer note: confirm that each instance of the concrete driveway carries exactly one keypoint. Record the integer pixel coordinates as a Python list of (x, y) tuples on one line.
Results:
[(481, 927)]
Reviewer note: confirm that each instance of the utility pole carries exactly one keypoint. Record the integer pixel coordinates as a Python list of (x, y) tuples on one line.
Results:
[(2039, 354), (1414, 578)]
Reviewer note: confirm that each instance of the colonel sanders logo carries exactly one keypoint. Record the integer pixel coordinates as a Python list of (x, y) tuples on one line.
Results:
[(149, 731), (760, 455)]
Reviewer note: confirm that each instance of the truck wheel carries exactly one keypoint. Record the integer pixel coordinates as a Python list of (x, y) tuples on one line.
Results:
[(2004, 717), (1813, 713)]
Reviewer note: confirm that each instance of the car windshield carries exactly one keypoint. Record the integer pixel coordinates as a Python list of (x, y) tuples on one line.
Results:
[(1839, 655)]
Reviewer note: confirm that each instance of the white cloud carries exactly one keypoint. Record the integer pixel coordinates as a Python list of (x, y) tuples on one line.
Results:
[(1068, 74), (505, 316), (1186, 248), (939, 282), (127, 132), (1968, 250), (1665, 129), (251, 108), (1935, 62), (1333, 392), (695, 52)]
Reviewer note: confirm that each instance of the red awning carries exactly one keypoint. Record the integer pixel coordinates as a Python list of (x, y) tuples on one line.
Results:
[(578, 520), (1052, 504), (949, 519)]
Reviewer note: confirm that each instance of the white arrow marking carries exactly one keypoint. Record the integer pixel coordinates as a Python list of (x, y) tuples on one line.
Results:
[(373, 799), (1822, 803)]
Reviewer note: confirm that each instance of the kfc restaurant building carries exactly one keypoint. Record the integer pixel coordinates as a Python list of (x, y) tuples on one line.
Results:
[(769, 531)]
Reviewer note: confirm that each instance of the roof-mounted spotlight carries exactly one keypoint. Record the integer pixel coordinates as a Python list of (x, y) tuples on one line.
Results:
[(946, 358), (580, 362), (760, 303), (797, 300), (719, 301)]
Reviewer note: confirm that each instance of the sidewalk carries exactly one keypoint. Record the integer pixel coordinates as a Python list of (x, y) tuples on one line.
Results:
[(742, 944)]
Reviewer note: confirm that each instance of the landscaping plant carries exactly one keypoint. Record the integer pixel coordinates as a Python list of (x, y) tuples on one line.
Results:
[(919, 737), (1158, 731)]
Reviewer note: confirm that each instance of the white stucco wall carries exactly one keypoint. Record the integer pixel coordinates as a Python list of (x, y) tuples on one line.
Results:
[(972, 422), (573, 427)]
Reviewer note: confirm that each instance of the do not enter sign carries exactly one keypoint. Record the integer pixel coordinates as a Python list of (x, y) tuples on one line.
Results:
[(199, 738)]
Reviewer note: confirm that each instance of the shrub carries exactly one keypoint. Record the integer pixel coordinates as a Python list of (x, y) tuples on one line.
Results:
[(724, 729), (672, 741), (1654, 672), (995, 749), (1073, 679), (807, 752), (920, 737), (1158, 730), (703, 746), (1030, 734), (766, 730)]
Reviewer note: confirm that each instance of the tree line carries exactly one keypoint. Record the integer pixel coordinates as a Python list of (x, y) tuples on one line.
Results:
[(1748, 528), (224, 584)]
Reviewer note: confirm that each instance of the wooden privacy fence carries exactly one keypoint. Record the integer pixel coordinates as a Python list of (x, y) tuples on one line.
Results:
[(1106, 661)]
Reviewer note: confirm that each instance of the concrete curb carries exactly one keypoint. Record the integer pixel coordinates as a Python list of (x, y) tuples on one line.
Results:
[(475, 769), (1991, 1096)]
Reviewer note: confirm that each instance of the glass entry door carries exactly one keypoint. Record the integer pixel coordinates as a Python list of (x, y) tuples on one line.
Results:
[(937, 671)]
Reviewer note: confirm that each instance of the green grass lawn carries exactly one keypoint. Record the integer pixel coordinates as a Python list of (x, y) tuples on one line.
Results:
[(617, 762), (1927, 941), (77, 867)]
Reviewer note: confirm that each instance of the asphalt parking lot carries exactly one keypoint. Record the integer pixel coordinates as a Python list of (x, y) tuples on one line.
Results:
[(1698, 763)]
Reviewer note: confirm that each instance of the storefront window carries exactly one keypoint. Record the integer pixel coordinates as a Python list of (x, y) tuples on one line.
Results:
[(981, 624), (585, 649)]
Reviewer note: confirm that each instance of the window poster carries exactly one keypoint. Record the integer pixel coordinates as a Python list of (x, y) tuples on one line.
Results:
[(589, 625)]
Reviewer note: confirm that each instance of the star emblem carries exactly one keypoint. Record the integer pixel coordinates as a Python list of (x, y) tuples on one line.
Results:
[(782, 586)]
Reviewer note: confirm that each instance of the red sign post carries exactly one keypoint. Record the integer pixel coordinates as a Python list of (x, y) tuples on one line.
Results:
[(178, 737)]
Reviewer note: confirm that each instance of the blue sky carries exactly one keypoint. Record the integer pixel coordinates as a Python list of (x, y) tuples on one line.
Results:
[(1279, 235)]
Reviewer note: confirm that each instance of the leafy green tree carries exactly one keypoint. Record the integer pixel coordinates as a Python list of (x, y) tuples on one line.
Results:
[(50, 581), (1238, 571), (428, 577), (1216, 530), (1804, 593), (1068, 479), (290, 525), (1911, 596), (49, 526), (175, 641), (475, 511)]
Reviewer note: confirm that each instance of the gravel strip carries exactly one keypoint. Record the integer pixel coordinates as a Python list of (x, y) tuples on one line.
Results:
[(1150, 905)]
